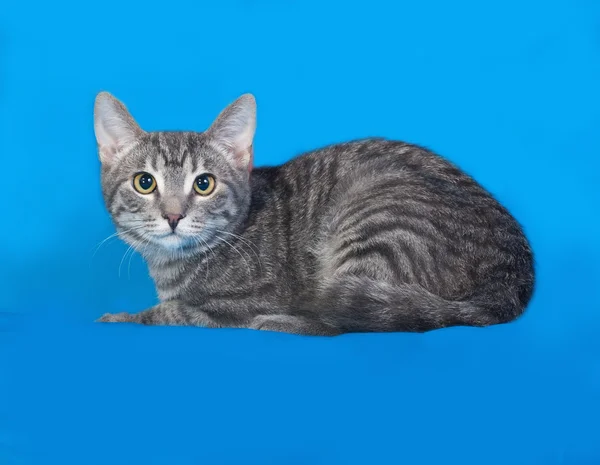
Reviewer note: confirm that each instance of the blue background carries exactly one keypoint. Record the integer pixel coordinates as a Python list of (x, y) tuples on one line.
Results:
[(508, 90)]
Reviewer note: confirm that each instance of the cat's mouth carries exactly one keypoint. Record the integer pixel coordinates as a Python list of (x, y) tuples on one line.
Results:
[(169, 234)]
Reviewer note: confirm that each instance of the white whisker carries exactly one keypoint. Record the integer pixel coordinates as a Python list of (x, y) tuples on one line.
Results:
[(131, 248), (145, 240), (116, 234), (201, 241), (239, 253), (248, 243)]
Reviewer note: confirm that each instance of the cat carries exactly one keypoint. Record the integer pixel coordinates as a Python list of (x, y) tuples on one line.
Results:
[(371, 235)]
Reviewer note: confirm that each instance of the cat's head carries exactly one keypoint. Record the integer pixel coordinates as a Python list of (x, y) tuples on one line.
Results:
[(171, 193)]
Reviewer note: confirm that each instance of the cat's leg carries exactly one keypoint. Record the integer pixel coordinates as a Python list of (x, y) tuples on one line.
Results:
[(355, 303), (292, 324), (169, 313)]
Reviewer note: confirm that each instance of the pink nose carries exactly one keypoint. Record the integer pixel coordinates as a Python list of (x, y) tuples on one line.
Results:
[(173, 219)]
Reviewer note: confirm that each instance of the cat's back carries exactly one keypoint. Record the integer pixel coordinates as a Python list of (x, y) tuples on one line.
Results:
[(367, 157), (405, 178), (400, 178), (366, 166), (353, 180)]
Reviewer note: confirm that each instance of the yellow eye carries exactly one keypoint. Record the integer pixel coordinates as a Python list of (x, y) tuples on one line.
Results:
[(204, 184), (144, 183)]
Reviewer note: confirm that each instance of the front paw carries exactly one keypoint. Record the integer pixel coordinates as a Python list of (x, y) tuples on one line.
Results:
[(260, 322), (292, 325), (274, 323), (122, 317)]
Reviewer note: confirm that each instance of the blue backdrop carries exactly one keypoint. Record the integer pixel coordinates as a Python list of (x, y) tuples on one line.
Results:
[(508, 90)]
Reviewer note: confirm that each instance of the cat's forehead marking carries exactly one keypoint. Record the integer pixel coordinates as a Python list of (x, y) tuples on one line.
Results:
[(175, 150), (175, 162)]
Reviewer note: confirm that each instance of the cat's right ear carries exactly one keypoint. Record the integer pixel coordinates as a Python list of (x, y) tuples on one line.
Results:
[(116, 131)]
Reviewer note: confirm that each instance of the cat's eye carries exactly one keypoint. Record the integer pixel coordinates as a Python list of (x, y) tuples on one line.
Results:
[(144, 183), (204, 184)]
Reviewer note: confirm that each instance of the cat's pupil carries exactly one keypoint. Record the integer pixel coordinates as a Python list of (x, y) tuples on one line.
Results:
[(146, 182), (202, 182)]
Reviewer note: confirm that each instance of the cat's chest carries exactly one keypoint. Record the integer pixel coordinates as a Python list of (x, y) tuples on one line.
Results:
[(242, 272), (206, 276)]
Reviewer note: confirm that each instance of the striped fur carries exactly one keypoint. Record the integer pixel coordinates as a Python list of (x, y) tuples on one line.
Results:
[(366, 236)]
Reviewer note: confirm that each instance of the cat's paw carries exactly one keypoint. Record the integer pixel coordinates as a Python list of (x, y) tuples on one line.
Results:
[(122, 317), (292, 325), (275, 323), (260, 322)]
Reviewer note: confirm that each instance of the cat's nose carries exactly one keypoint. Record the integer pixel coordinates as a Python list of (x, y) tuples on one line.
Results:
[(173, 219)]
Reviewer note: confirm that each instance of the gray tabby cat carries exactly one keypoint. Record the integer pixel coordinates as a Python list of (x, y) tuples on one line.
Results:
[(371, 235)]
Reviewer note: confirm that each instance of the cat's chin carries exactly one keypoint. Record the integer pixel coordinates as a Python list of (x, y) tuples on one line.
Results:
[(174, 242)]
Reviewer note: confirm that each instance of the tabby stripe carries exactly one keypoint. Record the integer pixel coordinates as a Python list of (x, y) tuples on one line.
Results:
[(416, 259), (369, 226), (384, 251), (114, 192)]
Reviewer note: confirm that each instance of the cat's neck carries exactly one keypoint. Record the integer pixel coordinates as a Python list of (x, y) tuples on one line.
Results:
[(169, 268)]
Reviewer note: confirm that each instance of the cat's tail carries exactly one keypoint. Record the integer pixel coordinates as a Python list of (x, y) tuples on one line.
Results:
[(359, 304)]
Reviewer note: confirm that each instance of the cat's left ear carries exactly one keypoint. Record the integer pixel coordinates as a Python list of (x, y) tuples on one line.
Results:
[(234, 129)]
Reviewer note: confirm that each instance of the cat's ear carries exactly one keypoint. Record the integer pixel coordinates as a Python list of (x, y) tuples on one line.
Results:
[(116, 131), (234, 128)]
